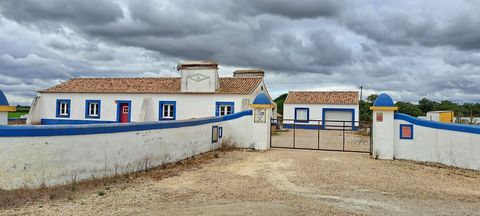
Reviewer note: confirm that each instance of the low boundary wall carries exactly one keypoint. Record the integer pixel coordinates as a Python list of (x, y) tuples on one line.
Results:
[(400, 136), (56, 154), (451, 144)]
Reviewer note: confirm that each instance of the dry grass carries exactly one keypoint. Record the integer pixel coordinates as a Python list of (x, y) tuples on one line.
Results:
[(18, 197)]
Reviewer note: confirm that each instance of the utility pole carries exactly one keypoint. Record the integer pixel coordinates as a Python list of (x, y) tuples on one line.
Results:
[(361, 93)]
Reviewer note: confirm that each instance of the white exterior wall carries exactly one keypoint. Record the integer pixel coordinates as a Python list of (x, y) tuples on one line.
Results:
[(433, 116), (315, 110), (3, 118), (31, 161), (188, 106), (452, 148)]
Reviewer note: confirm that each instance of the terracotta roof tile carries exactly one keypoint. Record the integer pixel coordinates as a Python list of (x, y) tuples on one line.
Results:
[(228, 85), (322, 97)]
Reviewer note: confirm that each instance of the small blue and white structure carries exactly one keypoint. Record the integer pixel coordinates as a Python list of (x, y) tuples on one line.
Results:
[(263, 108), (311, 109), (5, 108)]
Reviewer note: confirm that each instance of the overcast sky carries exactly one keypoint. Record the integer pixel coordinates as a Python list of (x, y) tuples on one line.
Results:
[(410, 49)]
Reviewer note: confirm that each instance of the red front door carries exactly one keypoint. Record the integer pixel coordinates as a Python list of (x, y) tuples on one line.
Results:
[(124, 112)]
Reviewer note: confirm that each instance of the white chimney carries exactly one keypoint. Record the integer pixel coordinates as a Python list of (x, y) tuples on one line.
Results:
[(199, 76)]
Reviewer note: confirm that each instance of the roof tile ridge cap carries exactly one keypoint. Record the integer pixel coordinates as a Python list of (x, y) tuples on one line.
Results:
[(124, 78), (241, 77)]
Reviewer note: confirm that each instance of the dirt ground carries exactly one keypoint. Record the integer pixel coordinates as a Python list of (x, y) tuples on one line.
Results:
[(321, 139), (283, 182)]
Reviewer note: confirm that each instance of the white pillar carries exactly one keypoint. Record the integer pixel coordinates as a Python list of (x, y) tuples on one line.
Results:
[(383, 133), (261, 128), (3, 118)]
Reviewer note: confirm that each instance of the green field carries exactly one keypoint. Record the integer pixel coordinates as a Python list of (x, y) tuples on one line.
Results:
[(20, 111)]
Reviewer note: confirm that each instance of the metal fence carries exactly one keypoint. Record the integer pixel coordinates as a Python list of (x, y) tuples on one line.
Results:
[(327, 135)]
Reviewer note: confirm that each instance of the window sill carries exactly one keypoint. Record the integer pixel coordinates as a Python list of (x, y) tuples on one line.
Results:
[(92, 117)]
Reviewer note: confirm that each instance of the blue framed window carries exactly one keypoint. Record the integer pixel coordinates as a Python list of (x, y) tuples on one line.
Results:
[(406, 131), (63, 108), (302, 114), (220, 132), (92, 109), (224, 108), (167, 110), (215, 134)]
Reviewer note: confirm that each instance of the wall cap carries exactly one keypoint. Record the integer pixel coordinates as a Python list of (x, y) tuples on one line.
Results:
[(383, 108), (8, 109), (437, 125)]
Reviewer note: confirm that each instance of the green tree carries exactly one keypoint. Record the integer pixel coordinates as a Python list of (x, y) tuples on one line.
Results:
[(427, 105), (279, 101), (447, 105), (365, 112), (371, 98), (409, 108), (364, 108)]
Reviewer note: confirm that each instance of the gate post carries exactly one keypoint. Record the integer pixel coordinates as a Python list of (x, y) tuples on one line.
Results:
[(383, 127), (262, 113)]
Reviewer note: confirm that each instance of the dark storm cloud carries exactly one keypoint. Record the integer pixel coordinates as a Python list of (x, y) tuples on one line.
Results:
[(299, 9), (409, 49), (79, 12)]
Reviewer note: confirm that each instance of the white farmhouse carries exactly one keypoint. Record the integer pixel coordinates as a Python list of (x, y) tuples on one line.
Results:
[(314, 109), (199, 92)]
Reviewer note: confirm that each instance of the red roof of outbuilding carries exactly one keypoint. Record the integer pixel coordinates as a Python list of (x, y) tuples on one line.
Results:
[(322, 97)]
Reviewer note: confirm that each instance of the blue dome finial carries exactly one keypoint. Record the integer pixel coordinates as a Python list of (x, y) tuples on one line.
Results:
[(3, 99), (262, 101), (383, 100)]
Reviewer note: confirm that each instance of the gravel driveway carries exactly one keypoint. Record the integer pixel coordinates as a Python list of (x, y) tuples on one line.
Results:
[(284, 182)]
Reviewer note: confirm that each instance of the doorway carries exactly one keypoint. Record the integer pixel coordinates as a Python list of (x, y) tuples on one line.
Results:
[(123, 111)]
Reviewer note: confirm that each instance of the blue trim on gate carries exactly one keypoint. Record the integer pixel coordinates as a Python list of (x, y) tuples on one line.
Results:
[(410, 126), (220, 132), (87, 109), (302, 108), (341, 110), (57, 112), (72, 122), (438, 125), (220, 103), (160, 110), (64, 130), (129, 109)]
